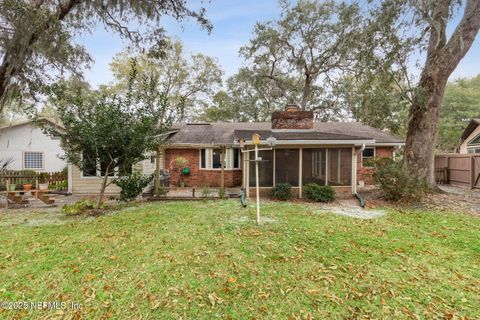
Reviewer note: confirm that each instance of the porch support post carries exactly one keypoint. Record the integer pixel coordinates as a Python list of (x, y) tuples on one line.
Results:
[(354, 170), (327, 169), (274, 167), (247, 173), (222, 166), (300, 168), (157, 172)]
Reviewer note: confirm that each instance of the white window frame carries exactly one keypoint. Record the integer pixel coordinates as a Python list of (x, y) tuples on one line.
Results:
[(43, 160), (239, 159), (473, 145), (374, 155), (228, 160), (473, 150)]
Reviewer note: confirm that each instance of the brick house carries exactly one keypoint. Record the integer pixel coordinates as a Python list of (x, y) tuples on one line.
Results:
[(336, 154)]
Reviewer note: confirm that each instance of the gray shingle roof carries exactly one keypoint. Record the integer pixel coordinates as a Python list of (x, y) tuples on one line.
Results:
[(225, 132)]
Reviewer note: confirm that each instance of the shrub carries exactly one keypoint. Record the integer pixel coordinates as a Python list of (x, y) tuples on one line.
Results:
[(314, 192), (282, 191), (132, 185), (221, 193), (79, 207), (206, 191), (397, 182)]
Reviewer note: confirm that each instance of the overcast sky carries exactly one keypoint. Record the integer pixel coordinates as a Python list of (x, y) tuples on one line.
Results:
[(233, 22)]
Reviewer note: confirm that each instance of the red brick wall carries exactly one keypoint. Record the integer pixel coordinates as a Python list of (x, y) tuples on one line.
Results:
[(199, 177), (365, 174), (233, 178)]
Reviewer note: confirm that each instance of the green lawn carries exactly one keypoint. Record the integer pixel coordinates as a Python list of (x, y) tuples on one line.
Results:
[(207, 260)]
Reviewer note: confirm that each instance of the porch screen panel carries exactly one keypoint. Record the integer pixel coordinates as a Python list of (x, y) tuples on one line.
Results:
[(340, 167), (286, 166), (314, 166), (265, 169)]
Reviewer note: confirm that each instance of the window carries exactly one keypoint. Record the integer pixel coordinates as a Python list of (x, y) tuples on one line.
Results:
[(475, 150), (368, 154), (203, 158), (340, 167), (217, 159), (286, 166), (314, 166), (33, 160), (236, 158), (475, 140)]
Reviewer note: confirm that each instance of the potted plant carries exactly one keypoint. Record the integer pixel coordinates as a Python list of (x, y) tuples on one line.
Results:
[(27, 182), (178, 164), (43, 181), (12, 187), (27, 186)]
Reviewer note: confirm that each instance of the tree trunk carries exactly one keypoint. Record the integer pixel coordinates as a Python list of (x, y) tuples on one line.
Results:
[(442, 58), (423, 127), (103, 186)]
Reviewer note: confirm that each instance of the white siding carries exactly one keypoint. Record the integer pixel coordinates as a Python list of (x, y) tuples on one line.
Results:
[(16, 140)]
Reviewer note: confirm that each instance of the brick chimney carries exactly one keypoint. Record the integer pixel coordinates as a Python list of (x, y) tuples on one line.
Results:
[(292, 118)]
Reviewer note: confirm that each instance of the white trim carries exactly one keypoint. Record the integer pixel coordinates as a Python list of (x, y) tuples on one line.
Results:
[(274, 180), (386, 144), (327, 166), (300, 172), (354, 171), (70, 177), (35, 169)]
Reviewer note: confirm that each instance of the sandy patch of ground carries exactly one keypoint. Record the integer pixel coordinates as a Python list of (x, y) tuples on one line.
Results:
[(349, 208)]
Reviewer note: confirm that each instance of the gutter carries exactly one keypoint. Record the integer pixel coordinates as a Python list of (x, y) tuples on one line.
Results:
[(314, 142)]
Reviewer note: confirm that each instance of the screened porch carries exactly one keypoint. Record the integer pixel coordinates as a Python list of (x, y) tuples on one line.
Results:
[(334, 166)]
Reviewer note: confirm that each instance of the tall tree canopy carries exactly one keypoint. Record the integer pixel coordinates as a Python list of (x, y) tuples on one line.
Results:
[(188, 82), (247, 98), (36, 36), (303, 52), (443, 54), (460, 104)]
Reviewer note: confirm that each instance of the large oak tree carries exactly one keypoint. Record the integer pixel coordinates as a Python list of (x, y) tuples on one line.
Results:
[(37, 36)]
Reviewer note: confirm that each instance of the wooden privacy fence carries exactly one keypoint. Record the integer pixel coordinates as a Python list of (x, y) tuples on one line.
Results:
[(458, 169), (55, 180)]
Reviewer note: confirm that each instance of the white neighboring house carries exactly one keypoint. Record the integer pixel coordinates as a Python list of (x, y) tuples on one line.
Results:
[(30, 148)]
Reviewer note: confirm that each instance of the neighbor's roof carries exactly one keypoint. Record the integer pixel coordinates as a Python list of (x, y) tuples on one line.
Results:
[(26, 122), (227, 133), (469, 129)]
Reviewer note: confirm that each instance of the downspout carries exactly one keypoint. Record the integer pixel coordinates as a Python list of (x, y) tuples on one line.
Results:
[(357, 195)]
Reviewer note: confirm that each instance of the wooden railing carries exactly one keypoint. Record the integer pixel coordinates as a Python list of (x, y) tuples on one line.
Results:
[(55, 180)]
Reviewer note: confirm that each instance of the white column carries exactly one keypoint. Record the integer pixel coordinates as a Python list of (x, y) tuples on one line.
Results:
[(247, 173), (274, 166), (70, 177), (327, 169), (300, 164), (354, 171)]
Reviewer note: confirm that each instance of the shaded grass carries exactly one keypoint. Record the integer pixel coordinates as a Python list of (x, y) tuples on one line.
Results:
[(203, 260)]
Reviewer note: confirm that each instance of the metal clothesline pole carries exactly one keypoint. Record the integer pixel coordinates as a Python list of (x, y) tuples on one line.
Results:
[(256, 142)]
